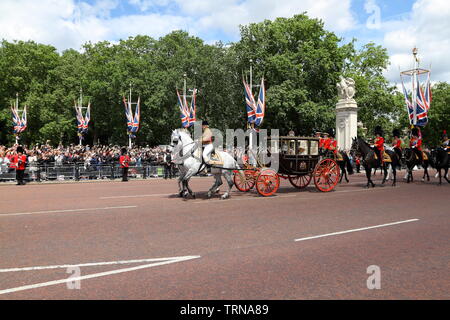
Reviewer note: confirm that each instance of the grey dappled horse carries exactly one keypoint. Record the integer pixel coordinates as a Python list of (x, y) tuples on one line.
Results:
[(186, 153)]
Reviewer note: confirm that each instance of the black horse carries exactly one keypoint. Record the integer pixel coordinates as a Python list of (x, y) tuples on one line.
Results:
[(440, 159), (345, 165), (370, 161), (412, 160)]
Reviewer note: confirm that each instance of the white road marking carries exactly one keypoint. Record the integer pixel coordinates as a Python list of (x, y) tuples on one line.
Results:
[(138, 196), (101, 274), (90, 264), (355, 230), (62, 211), (244, 198)]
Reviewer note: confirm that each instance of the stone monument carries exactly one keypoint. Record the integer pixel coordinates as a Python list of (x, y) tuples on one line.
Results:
[(346, 113)]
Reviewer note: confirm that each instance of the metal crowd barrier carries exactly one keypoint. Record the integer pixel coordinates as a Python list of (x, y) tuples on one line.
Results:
[(81, 171)]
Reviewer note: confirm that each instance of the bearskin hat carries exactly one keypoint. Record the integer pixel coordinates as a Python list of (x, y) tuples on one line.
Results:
[(331, 132), (19, 149), (124, 150), (205, 123), (415, 132), (396, 133), (378, 130)]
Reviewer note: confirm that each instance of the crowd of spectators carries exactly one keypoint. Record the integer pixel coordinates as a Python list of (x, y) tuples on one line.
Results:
[(45, 154)]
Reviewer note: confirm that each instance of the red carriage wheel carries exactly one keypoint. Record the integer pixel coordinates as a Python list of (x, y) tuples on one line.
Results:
[(244, 181), (267, 182), (300, 182), (326, 175)]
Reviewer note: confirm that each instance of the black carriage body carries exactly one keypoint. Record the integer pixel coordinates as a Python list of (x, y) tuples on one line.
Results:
[(298, 156)]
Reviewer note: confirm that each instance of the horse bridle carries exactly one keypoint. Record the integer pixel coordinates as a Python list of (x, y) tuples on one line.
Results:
[(184, 156)]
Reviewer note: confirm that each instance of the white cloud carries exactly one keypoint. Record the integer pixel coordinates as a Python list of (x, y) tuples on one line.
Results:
[(428, 28), (227, 15), (71, 23)]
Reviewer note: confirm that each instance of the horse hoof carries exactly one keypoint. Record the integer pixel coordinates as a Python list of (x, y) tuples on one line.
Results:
[(225, 196), (209, 195), (193, 195), (180, 194)]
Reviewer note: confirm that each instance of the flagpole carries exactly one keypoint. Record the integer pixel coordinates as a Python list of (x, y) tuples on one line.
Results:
[(17, 111), (414, 77), (131, 110), (252, 125)]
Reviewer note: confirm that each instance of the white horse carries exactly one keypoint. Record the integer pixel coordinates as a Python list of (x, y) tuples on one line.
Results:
[(188, 156)]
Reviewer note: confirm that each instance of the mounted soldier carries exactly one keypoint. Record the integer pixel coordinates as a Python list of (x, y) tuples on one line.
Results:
[(397, 143), (379, 143), (416, 143), (445, 141)]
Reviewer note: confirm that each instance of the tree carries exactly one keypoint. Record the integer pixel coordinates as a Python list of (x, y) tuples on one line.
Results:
[(438, 115), (301, 62)]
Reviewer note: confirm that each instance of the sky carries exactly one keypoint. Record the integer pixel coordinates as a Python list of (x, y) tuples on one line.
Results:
[(397, 25)]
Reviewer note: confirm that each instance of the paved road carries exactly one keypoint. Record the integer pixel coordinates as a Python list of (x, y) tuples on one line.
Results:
[(137, 240)]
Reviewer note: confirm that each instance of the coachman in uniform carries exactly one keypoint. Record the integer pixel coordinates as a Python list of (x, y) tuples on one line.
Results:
[(208, 146), (20, 161), (124, 161), (333, 142), (325, 142)]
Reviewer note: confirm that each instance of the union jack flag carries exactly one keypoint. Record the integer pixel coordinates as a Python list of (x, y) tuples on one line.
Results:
[(132, 122), (184, 111), (137, 117), (20, 123), (408, 103), (128, 114), (193, 109), (250, 103), (261, 105), (421, 107), (83, 122), (87, 118), (427, 96)]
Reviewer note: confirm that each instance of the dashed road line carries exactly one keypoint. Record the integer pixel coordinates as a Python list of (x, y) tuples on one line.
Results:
[(355, 230)]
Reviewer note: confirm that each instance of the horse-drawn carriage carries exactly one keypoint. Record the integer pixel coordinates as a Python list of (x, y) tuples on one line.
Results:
[(299, 162)]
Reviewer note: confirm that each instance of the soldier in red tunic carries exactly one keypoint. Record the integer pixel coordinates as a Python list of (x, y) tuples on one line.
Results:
[(333, 143), (20, 161), (326, 142), (397, 143), (379, 143), (124, 161), (416, 143)]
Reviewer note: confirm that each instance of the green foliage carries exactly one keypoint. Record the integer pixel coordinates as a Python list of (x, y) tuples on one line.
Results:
[(438, 116), (301, 63)]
